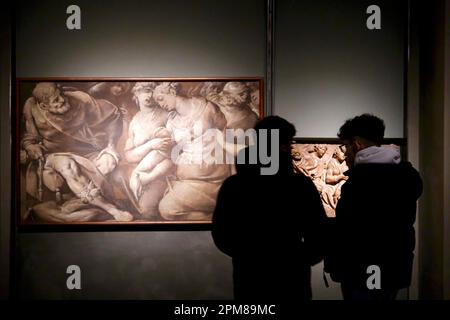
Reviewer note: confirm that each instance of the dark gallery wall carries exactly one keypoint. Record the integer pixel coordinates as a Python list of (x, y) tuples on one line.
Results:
[(124, 265), (5, 164), (134, 39), (434, 32), (330, 66)]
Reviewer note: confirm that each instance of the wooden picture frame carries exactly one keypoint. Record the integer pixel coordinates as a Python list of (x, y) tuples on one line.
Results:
[(98, 151)]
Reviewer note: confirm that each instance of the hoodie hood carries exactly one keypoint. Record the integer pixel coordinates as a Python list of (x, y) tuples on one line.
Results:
[(384, 154)]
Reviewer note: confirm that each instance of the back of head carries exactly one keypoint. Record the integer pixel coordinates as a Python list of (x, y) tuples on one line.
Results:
[(366, 126), (286, 132), (285, 129)]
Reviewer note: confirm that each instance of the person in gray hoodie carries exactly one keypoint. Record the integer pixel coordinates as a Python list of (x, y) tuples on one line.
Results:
[(372, 238)]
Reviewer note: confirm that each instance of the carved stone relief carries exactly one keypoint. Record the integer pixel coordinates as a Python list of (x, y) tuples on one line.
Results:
[(325, 165)]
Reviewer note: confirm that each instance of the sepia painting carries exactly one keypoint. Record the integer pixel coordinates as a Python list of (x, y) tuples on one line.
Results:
[(109, 151), (325, 165)]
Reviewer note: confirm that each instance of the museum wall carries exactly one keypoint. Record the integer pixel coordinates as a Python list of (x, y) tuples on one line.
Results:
[(330, 66), (434, 219)]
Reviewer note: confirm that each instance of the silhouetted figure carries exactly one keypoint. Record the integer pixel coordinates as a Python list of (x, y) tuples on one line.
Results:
[(271, 225), (374, 216)]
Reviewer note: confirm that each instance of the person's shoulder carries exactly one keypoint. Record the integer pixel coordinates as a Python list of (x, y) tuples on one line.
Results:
[(411, 176), (369, 174), (403, 167), (407, 167), (233, 184), (232, 180), (372, 168), (402, 174), (297, 180), (301, 178)]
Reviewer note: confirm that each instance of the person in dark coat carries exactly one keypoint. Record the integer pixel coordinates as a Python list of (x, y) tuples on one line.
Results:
[(373, 239), (271, 225)]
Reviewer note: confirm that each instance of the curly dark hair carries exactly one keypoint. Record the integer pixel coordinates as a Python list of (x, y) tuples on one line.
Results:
[(366, 126), (286, 129)]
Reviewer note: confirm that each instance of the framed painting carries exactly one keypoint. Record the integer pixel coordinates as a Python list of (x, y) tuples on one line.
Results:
[(126, 151), (323, 160)]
